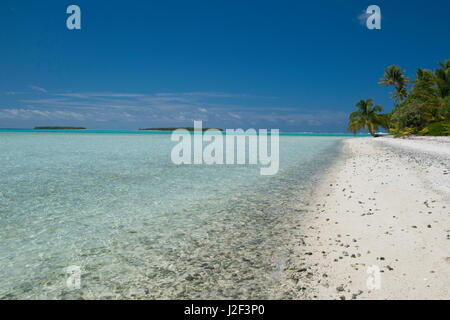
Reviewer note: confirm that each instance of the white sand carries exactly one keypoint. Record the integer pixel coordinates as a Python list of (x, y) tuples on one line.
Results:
[(385, 203)]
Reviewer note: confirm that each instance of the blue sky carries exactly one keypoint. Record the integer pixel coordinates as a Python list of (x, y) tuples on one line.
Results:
[(292, 65)]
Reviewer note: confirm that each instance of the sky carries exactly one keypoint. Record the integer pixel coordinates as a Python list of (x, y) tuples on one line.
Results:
[(297, 66)]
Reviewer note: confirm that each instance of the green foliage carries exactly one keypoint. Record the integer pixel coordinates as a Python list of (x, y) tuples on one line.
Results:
[(366, 117), (395, 76), (404, 132), (422, 109), (444, 111), (427, 102), (412, 113), (384, 120), (424, 131), (439, 129), (443, 79)]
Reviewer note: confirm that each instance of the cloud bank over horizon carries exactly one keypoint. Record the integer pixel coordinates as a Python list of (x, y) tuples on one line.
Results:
[(118, 110)]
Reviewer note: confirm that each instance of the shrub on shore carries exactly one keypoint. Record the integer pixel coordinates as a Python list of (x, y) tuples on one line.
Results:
[(437, 129)]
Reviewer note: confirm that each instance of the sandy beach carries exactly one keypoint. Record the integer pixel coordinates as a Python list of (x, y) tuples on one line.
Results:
[(385, 205)]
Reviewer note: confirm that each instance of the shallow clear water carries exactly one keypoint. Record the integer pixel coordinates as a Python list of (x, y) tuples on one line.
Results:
[(140, 226)]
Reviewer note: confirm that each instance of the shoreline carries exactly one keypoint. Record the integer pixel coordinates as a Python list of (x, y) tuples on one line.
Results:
[(385, 203)]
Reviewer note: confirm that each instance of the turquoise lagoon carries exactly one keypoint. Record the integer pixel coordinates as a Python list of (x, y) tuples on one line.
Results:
[(140, 227)]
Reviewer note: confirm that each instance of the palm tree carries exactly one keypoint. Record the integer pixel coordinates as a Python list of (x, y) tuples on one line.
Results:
[(443, 79), (385, 120), (395, 76), (424, 84), (366, 117)]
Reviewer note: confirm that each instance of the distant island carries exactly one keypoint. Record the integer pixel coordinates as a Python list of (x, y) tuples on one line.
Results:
[(173, 129), (59, 128)]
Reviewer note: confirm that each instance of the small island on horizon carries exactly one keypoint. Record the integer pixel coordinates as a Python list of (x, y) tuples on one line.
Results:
[(59, 128), (173, 129)]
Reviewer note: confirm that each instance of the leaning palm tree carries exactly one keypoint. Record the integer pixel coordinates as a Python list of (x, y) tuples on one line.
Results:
[(395, 76), (366, 117)]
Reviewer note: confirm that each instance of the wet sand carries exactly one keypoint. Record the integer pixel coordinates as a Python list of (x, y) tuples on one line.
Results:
[(384, 203)]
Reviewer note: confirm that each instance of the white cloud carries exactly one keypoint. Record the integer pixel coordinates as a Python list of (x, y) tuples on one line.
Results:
[(171, 109), (234, 115), (36, 88), (100, 95), (36, 113)]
